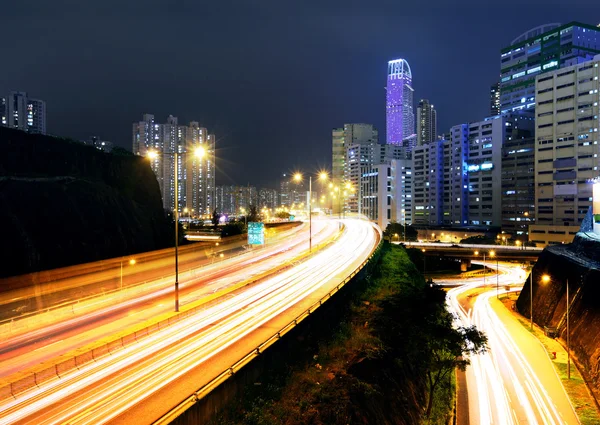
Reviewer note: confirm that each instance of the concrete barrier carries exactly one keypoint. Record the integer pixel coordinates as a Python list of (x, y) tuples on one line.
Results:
[(65, 367), (45, 375), (23, 384), (84, 358)]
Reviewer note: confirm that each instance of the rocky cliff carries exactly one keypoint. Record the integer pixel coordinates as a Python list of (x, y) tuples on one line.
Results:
[(65, 203), (579, 263)]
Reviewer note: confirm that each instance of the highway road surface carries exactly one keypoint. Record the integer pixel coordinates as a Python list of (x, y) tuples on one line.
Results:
[(120, 384), (515, 383)]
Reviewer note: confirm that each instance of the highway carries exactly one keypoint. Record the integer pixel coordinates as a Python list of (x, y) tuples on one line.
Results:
[(515, 383), (111, 387), (43, 337)]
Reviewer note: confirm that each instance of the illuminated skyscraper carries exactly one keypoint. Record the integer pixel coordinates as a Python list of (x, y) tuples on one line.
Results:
[(400, 117)]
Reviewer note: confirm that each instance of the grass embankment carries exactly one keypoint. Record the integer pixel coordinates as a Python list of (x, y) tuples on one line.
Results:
[(371, 371), (577, 390)]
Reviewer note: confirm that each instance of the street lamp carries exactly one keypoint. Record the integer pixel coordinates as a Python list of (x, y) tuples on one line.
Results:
[(476, 254), (404, 222), (493, 254), (199, 153), (424, 265), (546, 279), (298, 178), (131, 263), (243, 211)]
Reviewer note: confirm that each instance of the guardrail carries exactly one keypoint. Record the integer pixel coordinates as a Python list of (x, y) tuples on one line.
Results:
[(234, 368), (59, 367)]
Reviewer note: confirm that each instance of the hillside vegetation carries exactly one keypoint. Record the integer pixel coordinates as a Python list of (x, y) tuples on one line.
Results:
[(393, 348), (65, 203)]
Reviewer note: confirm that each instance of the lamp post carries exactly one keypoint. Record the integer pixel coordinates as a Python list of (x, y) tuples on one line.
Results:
[(424, 265), (531, 298), (546, 279), (493, 254), (131, 263), (404, 219), (198, 152), (298, 178)]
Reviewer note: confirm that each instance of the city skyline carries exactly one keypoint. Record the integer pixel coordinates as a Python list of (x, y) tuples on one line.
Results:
[(286, 110)]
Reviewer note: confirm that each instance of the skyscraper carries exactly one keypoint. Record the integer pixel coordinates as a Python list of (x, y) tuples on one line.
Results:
[(539, 50), (195, 176), (495, 99), (566, 150), (400, 117), (426, 122), (20, 112)]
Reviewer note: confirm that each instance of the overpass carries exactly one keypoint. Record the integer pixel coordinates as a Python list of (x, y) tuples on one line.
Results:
[(126, 357), (467, 251)]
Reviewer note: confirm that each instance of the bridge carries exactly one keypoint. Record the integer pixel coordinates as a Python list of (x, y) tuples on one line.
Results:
[(475, 252), (101, 343)]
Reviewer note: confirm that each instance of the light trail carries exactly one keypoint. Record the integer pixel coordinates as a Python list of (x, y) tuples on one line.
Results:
[(99, 392), (511, 384)]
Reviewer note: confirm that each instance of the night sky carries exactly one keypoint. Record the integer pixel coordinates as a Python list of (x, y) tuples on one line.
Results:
[(269, 78)]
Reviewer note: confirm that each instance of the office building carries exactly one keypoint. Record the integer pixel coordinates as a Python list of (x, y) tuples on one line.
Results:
[(518, 186), (426, 122), (195, 175), (566, 150), (386, 192), (495, 99), (400, 117), (542, 49), (21, 112)]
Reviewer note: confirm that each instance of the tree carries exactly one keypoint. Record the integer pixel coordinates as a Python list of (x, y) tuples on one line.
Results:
[(283, 214), (215, 218), (479, 240), (253, 215), (395, 228), (417, 328), (449, 348)]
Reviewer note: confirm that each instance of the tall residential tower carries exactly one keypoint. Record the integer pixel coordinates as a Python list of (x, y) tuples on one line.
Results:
[(426, 122)]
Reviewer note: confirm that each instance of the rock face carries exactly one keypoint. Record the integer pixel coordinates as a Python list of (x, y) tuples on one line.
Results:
[(65, 203), (579, 263)]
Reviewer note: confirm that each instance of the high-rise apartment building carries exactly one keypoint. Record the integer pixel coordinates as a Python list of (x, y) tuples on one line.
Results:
[(386, 192), (458, 181), (19, 111), (3, 110), (234, 200), (268, 198), (400, 117), (542, 49), (495, 99), (348, 141), (426, 122), (195, 175), (427, 184), (566, 149)]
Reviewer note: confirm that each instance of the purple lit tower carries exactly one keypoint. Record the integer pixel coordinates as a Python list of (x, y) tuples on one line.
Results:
[(400, 117)]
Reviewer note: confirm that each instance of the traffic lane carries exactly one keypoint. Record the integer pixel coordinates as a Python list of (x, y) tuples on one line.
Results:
[(82, 331), (300, 286)]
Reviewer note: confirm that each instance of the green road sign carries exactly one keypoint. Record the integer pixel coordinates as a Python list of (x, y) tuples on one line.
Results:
[(256, 233)]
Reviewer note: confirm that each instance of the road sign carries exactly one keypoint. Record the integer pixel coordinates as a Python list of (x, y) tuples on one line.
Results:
[(256, 233), (292, 217)]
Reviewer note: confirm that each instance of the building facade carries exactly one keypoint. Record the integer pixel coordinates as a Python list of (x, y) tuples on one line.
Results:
[(542, 49), (566, 150), (495, 99), (518, 186), (195, 174), (386, 190), (426, 122), (400, 117), (21, 112)]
